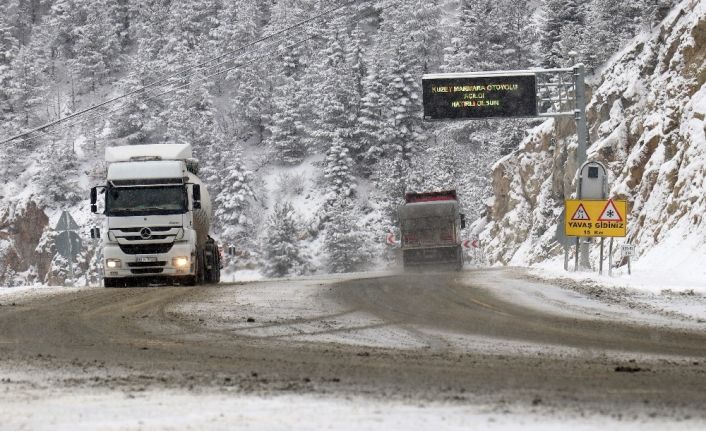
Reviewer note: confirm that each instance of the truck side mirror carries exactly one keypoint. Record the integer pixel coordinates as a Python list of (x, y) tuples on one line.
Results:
[(95, 233), (94, 199), (463, 221), (196, 194)]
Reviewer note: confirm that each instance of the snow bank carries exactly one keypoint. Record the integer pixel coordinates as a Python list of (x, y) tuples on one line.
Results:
[(170, 410)]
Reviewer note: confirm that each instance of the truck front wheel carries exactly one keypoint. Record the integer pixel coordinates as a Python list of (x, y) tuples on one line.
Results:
[(189, 280), (112, 282)]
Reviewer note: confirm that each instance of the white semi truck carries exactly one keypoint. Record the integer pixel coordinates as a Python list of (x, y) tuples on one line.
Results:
[(157, 217)]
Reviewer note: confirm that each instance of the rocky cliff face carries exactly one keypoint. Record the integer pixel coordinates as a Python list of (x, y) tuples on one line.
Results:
[(22, 258), (646, 124)]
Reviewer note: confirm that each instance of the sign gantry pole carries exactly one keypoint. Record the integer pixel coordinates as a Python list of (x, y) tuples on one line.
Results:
[(582, 140)]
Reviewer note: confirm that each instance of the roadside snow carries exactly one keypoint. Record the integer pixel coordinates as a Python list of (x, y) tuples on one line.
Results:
[(671, 277), (241, 276), (23, 293), (168, 410)]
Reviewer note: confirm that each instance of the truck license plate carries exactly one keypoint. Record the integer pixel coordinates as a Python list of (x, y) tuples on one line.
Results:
[(146, 258)]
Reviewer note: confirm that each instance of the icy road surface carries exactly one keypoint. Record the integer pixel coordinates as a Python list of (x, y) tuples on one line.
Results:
[(496, 348)]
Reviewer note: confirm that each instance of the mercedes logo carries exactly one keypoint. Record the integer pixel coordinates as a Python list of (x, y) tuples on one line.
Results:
[(145, 233)]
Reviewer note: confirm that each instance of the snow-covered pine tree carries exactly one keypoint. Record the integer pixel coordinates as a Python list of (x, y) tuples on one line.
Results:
[(335, 99), (97, 46), (338, 176), (370, 128), (434, 169), (236, 23), (347, 246), (520, 36), (286, 141), (355, 59), (189, 119), (562, 18), (233, 199), (27, 91), (9, 47), (134, 124), (58, 181), (404, 120), (251, 103), (612, 24), (282, 253), (390, 178), (464, 52), (422, 37)]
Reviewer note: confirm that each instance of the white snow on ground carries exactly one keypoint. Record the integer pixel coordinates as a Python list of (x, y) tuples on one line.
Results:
[(563, 302), (23, 293), (296, 185), (671, 276), (168, 410), (241, 276)]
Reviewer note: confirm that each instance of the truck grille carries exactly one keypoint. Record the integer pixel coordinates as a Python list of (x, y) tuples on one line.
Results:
[(137, 238), (141, 271), (145, 248), (153, 229), (156, 233), (145, 264)]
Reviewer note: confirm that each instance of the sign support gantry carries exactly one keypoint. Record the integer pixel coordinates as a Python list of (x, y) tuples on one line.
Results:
[(532, 93)]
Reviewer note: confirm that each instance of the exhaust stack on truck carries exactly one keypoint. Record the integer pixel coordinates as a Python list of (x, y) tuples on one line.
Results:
[(157, 218), (430, 227)]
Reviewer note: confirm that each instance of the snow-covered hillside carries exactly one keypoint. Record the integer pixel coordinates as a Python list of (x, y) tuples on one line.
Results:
[(646, 124), (325, 117)]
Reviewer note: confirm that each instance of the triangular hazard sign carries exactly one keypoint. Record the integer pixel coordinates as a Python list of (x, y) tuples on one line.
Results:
[(580, 214), (610, 213), (66, 222)]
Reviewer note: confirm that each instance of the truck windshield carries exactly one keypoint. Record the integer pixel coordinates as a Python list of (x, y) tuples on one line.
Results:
[(129, 201)]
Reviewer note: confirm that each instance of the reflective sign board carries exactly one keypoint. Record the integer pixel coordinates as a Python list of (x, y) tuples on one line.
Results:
[(607, 218)]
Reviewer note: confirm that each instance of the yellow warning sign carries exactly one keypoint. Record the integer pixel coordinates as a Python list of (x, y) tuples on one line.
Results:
[(596, 218)]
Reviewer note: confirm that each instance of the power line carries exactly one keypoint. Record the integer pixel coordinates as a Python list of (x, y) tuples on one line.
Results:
[(175, 74)]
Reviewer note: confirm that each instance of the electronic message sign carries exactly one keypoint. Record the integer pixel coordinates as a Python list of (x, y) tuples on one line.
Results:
[(472, 96)]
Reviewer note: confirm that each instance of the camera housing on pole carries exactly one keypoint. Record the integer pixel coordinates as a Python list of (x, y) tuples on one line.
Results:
[(592, 184)]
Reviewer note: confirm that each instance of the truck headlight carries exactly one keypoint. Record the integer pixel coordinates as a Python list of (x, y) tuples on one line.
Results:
[(180, 262), (113, 263)]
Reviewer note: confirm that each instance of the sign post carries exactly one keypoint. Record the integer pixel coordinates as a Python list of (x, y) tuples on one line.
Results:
[(68, 242), (628, 251)]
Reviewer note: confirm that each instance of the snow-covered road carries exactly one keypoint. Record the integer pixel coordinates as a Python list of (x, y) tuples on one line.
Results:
[(495, 348)]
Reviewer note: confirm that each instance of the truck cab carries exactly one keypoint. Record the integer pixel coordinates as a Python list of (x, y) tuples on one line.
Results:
[(157, 214)]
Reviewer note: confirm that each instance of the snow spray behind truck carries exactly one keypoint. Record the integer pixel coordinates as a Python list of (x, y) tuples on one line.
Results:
[(157, 218), (430, 227)]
